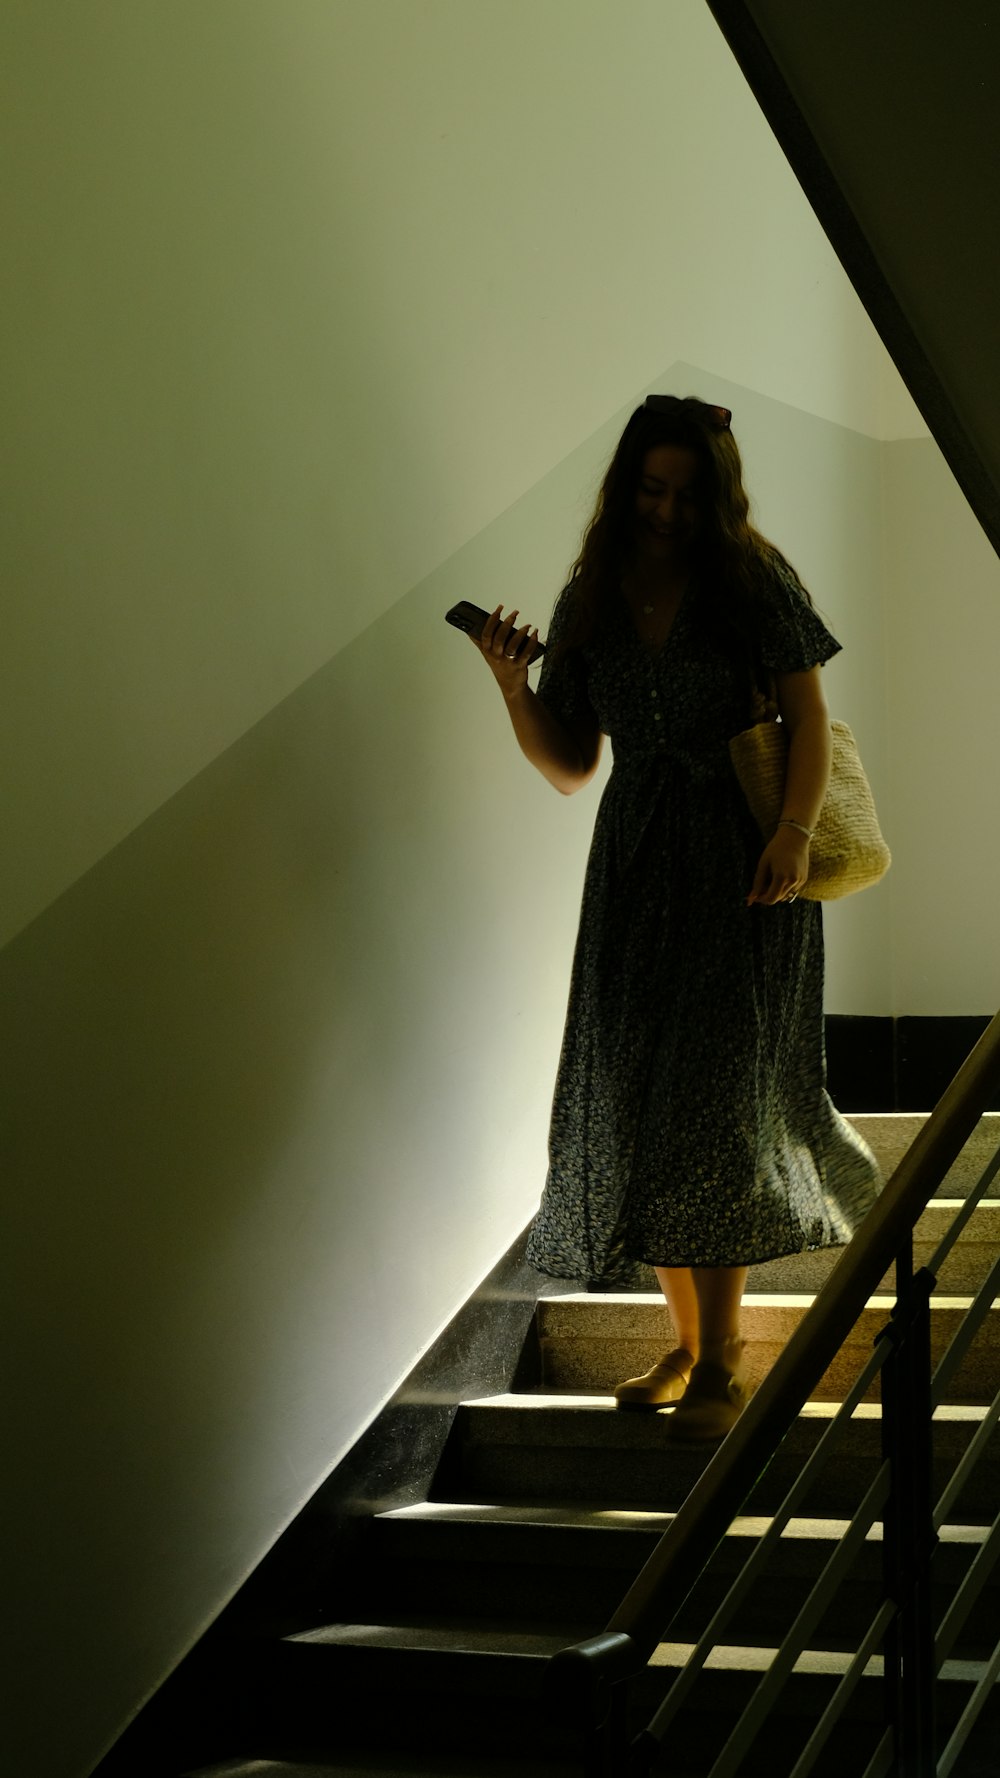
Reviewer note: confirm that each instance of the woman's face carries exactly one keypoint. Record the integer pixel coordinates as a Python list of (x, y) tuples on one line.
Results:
[(669, 503)]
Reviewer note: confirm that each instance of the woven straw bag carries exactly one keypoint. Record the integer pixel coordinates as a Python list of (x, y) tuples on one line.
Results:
[(847, 851)]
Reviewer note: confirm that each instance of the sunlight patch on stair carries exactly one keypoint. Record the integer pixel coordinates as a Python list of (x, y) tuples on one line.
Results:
[(464, 1512), (569, 1516), (549, 1402), (735, 1659), (828, 1410)]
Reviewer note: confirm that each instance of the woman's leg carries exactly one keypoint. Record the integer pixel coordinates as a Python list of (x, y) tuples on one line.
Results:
[(678, 1286), (704, 1304), (715, 1395), (667, 1380), (719, 1293)]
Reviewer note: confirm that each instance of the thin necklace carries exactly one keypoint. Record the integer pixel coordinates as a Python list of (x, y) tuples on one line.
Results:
[(650, 606)]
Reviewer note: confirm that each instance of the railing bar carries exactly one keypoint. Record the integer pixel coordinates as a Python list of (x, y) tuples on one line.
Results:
[(968, 1462), (964, 1215), (748, 1573), (844, 1692), (967, 1720), (709, 1509), (964, 1335), (883, 1759), (967, 1594), (705, 1515), (771, 1683)]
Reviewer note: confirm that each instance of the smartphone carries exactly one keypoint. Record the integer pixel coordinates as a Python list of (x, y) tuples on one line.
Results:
[(471, 619)]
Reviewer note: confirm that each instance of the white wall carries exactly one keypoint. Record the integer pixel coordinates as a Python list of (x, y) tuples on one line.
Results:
[(315, 304), (275, 1098), (943, 650), (299, 298)]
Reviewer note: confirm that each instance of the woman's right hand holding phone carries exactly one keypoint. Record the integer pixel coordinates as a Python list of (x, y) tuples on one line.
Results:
[(566, 756), (507, 649)]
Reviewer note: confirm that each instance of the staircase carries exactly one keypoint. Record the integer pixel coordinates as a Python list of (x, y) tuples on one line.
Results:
[(547, 1503)]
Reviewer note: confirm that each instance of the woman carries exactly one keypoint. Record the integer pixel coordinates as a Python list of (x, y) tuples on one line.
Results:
[(691, 1129)]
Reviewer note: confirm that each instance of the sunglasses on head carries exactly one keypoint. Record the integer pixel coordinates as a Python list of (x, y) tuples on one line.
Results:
[(719, 418)]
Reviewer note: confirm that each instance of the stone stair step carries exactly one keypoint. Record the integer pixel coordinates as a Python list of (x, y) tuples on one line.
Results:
[(389, 1764), (447, 1689), (430, 1689), (456, 1648), (579, 1447), (590, 1343), (962, 1273), (548, 1503), (573, 1563), (727, 1685), (889, 1135)]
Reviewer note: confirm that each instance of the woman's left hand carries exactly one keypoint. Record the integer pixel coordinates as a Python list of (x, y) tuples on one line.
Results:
[(783, 869)]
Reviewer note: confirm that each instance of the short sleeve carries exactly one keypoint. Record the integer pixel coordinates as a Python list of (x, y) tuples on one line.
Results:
[(562, 683), (792, 637)]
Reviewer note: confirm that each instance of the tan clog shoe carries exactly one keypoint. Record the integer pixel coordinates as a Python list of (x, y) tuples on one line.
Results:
[(666, 1382)]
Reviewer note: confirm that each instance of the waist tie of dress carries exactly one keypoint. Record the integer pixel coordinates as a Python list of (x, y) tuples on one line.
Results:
[(641, 779), (713, 768)]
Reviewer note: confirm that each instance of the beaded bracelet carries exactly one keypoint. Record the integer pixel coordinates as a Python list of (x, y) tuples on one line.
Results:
[(786, 821)]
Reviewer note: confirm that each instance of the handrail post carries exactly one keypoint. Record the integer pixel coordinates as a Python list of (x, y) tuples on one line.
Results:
[(588, 1686), (703, 1517), (908, 1532)]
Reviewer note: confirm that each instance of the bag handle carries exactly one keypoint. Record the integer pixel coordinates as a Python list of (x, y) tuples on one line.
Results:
[(763, 693)]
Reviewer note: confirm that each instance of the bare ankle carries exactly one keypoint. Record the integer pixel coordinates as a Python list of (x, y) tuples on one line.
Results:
[(726, 1352)]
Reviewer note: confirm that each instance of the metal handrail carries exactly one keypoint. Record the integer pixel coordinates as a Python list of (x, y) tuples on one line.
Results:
[(988, 1680), (842, 1696), (750, 1573), (975, 1315), (969, 1591), (758, 1709), (704, 1517), (960, 1221), (973, 1452)]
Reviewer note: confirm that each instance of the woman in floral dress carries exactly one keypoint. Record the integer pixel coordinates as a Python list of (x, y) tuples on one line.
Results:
[(691, 1128)]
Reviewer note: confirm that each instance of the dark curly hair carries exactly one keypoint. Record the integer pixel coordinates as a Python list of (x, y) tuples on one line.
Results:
[(735, 562)]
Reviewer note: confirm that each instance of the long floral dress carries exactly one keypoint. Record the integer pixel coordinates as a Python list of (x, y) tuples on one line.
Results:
[(691, 1124)]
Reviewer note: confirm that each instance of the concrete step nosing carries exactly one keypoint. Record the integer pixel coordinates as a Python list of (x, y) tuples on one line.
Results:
[(445, 1642)]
